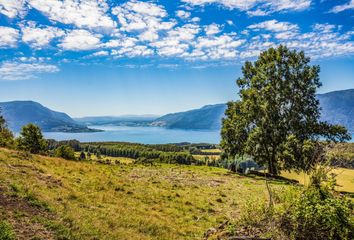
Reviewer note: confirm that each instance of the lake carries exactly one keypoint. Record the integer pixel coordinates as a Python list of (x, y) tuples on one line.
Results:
[(147, 135)]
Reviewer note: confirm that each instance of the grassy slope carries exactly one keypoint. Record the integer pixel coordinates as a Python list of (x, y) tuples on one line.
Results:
[(129, 201)]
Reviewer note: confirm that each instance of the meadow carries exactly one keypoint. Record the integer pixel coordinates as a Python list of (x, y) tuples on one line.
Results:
[(89, 200)]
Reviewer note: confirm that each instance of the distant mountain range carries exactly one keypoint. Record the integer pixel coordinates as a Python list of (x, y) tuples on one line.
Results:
[(207, 117), (337, 108), (127, 120), (20, 113)]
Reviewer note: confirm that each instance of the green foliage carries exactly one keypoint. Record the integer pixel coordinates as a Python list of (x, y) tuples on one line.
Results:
[(31, 139), (6, 136), (318, 214), (66, 152), (6, 232), (145, 153), (277, 116)]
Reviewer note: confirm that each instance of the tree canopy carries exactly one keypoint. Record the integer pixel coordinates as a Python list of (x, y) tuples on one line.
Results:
[(31, 139), (6, 136), (277, 119)]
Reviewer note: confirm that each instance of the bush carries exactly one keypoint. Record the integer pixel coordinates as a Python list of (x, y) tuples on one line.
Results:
[(6, 232), (65, 152), (319, 214)]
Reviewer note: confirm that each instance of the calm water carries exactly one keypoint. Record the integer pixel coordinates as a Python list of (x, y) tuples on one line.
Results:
[(152, 135)]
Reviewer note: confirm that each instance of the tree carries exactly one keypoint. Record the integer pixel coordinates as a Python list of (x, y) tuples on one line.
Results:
[(6, 136), (31, 139), (66, 152), (276, 120)]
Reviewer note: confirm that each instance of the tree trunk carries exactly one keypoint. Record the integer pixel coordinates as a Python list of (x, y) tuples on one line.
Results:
[(271, 167)]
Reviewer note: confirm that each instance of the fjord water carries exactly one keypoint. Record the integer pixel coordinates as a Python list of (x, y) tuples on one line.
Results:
[(147, 135)]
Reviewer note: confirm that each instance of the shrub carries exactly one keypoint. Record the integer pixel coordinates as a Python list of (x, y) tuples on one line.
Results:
[(319, 214), (66, 152), (6, 232)]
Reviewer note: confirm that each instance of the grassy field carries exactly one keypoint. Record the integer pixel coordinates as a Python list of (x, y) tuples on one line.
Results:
[(88, 200), (344, 177)]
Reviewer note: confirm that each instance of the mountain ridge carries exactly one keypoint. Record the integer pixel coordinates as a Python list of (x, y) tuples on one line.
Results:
[(20, 113), (337, 107)]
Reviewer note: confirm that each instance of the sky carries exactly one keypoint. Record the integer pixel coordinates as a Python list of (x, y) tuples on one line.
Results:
[(106, 57)]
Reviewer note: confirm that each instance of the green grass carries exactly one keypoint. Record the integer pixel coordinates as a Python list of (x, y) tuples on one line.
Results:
[(6, 231), (99, 201)]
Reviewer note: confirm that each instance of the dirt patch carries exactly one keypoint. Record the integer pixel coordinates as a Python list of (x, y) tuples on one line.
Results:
[(24, 217)]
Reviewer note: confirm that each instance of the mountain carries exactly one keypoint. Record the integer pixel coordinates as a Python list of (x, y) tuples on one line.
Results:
[(337, 108), (20, 113), (126, 120), (207, 117)]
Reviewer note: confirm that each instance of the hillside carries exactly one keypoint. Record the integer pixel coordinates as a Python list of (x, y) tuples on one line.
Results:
[(207, 117), (20, 113), (337, 108), (52, 198)]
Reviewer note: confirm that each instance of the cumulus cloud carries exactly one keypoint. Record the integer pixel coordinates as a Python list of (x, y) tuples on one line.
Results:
[(8, 37), (39, 37), (145, 18), (324, 40), (78, 40), (12, 8), (90, 14), (24, 71), (212, 29), (100, 54), (341, 8), (183, 14), (256, 7), (275, 26)]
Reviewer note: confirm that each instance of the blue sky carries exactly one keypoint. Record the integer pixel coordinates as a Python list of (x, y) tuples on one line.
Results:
[(105, 57)]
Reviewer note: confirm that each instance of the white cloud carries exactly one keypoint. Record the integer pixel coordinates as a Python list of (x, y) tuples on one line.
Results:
[(274, 25), (325, 40), (185, 32), (38, 37), (100, 54), (81, 13), (183, 14), (11, 8), (256, 7), (341, 8), (144, 18), (24, 71), (8, 37), (135, 51), (78, 40), (230, 22), (212, 29)]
